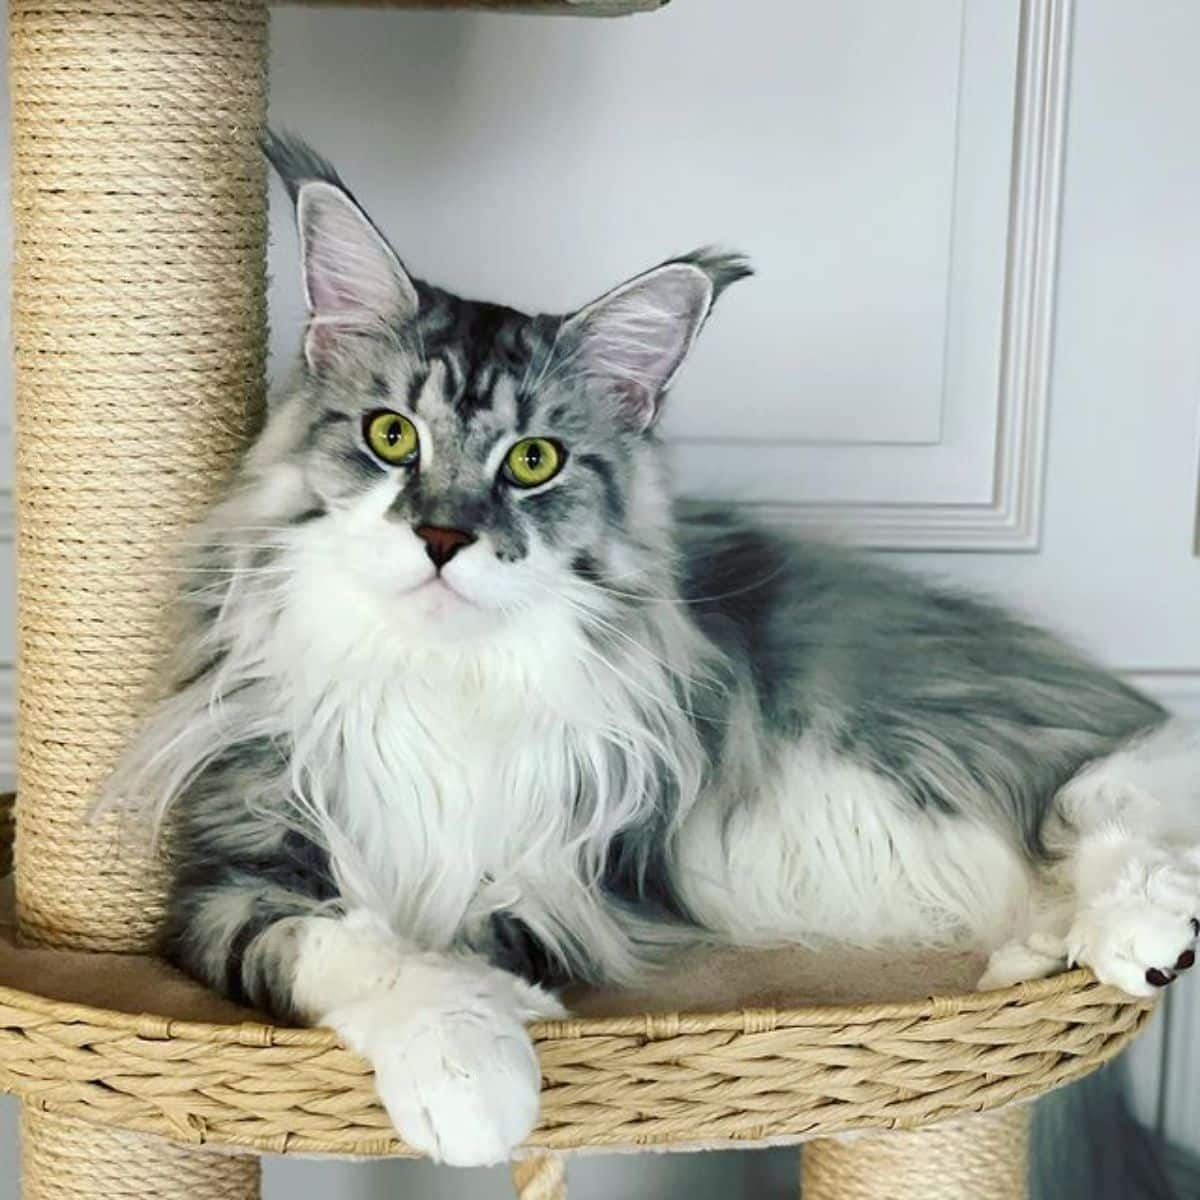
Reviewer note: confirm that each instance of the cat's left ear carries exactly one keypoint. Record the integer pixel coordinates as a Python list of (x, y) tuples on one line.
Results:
[(636, 337)]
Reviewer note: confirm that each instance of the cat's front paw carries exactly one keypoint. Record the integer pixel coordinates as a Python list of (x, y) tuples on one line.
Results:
[(454, 1066), (1140, 932), (463, 1088)]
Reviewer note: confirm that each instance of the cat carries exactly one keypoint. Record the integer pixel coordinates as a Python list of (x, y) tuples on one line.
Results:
[(465, 707)]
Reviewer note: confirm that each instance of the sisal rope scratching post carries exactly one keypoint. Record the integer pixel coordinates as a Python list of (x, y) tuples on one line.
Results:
[(542, 1178), (984, 1158), (139, 336), (66, 1159)]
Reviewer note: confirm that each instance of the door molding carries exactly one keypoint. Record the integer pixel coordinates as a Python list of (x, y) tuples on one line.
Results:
[(1011, 518)]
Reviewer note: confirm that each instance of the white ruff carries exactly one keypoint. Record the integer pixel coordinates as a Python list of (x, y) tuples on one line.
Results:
[(443, 780), (448, 777)]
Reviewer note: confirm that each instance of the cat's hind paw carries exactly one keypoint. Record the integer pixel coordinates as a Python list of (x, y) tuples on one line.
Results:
[(1037, 957), (1139, 933)]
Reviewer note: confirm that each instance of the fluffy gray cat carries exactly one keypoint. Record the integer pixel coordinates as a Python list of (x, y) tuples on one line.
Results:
[(465, 708)]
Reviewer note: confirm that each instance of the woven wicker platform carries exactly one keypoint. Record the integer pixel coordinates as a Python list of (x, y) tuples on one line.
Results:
[(124, 1040), (683, 1081)]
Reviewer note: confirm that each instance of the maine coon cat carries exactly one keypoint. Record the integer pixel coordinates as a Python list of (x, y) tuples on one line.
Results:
[(465, 707)]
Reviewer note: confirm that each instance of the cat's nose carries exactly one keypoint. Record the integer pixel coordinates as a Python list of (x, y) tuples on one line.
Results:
[(442, 544)]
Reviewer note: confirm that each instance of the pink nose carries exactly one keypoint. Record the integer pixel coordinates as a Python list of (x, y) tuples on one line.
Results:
[(442, 544)]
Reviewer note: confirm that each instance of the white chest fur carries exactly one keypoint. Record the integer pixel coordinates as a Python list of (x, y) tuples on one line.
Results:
[(452, 789), (452, 781)]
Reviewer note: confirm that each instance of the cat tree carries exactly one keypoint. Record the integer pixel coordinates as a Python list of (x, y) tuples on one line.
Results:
[(139, 333)]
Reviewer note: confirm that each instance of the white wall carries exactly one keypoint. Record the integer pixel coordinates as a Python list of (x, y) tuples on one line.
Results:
[(891, 367)]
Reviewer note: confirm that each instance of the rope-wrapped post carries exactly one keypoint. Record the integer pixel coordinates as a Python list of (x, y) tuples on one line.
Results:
[(64, 1159), (139, 342), (543, 1178), (980, 1158)]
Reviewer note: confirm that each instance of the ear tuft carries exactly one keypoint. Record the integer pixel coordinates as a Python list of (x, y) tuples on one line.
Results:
[(723, 267), (297, 163)]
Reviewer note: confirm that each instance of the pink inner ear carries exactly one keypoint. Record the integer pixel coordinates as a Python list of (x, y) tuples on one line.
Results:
[(321, 344), (637, 400), (637, 336), (332, 288), (351, 276)]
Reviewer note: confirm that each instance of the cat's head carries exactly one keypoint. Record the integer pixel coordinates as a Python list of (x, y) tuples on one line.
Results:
[(466, 460)]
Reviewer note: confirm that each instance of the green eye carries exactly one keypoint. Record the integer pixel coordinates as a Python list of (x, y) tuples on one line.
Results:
[(534, 461), (391, 437)]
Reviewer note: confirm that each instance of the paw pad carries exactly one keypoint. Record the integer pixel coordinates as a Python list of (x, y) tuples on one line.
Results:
[(1160, 977)]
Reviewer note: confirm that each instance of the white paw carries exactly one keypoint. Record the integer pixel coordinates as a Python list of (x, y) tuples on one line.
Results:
[(460, 1086), (454, 1066), (1140, 931), (1016, 962)]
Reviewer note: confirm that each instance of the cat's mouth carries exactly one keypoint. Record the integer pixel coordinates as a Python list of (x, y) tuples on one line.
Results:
[(439, 589)]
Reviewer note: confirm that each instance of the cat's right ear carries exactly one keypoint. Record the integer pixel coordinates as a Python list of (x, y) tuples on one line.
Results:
[(354, 283)]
